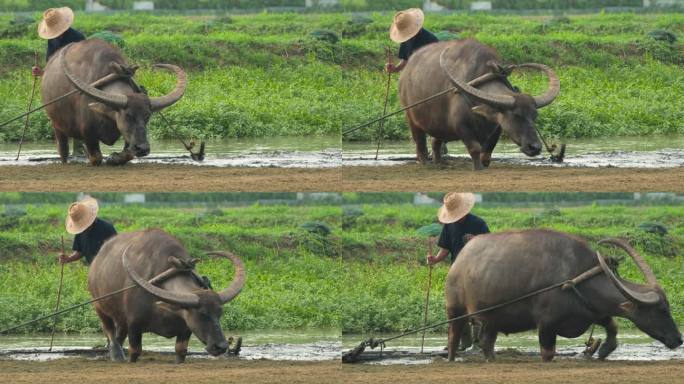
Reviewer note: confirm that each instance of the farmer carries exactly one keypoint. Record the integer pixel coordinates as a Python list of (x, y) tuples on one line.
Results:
[(91, 232), (407, 29), (460, 226), (56, 29)]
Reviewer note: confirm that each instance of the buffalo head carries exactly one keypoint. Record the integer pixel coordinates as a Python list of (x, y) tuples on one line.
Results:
[(201, 309), (131, 111), (646, 306), (516, 113)]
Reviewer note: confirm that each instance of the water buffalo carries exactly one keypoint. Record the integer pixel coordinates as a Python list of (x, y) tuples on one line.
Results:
[(178, 307), (495, 268), (475, 116), (94, 115)]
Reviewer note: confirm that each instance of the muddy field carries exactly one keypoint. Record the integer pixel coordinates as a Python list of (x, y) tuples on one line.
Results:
[(161, 369), (411, 177)]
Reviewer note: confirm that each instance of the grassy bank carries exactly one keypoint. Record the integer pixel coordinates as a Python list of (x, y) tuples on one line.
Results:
[(264, 75), (368, 275), (385, 256), (292, 275)]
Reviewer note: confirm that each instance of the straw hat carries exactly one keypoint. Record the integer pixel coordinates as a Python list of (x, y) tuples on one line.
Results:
[(81, 215), (55, 22), (406, 24), (456, 206)]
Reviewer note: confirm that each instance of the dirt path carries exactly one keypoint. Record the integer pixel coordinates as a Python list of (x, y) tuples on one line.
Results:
[(161, 370), (163, 178), (181, 178), (507, 178)]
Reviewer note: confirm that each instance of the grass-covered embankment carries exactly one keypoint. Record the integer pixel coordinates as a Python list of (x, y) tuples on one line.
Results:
[(385, 256), (265, 75), (292, 275)]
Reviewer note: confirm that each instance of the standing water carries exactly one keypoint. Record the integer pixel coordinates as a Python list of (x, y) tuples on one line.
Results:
[(280, 152), (632, 345), (621, 152), (286, 345)]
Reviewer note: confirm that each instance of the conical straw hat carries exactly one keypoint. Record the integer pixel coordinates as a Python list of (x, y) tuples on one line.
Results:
[(81, 215), (55, 22), (406, 24), (456, 206)]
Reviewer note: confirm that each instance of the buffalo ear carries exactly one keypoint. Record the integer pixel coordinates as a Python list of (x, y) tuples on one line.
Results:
[(486, 112), (102, 109), (628, 306)]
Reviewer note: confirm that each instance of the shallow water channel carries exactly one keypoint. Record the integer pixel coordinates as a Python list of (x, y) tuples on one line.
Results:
[(281, 152), (632, 346), (621, 152), (277, 345)]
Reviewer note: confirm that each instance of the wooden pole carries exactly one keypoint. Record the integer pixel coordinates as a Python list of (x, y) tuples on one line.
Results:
[(59, 295), (427, 297), (384, 111), (33, 93)]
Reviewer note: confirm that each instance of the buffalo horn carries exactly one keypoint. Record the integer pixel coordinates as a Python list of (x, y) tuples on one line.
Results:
[(554, 84), (159, 103), (238, 282), (647, 297), (177, 298), (506, 101), (111, 99)]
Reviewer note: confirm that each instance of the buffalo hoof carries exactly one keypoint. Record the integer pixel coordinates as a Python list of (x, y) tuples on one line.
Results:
[(116, 354), (119, 158), (180, 359), (606, 349)]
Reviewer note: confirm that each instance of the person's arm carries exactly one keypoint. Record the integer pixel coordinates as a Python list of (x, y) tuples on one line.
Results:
[(64, 258), (441, 255), (391, 68)]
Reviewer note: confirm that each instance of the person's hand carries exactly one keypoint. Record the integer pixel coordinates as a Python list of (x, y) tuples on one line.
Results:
[(390, 68), (37, 71), (467, 237), (431, 260), (63, 258)]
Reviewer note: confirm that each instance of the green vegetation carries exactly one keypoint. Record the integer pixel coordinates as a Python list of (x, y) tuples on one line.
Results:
[(274, 75), (359, 268), (292, 274), (385, 256)]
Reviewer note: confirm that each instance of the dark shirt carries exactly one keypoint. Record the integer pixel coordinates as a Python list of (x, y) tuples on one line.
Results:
[(70, 36), (423, 38), (90, 241), (452, 234)]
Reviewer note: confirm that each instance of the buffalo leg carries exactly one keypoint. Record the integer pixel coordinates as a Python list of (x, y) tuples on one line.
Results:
[(474, 150), (437, 147), (455, 330), (93, 152), (62, 146), (547, 343), (421, 143), (611, 337), (466, 337), (487, 341), (182, 347), (488, 148), (115, 351), (120, 158), (134, 344)]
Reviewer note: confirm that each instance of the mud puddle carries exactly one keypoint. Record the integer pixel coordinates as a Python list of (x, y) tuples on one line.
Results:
[(317, 345), (632, 346), (624, 152), (304, 152)]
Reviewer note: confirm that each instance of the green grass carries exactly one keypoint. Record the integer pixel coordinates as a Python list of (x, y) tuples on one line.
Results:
[(386, 256), (292, 275), (264, 75), (368, 275)]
